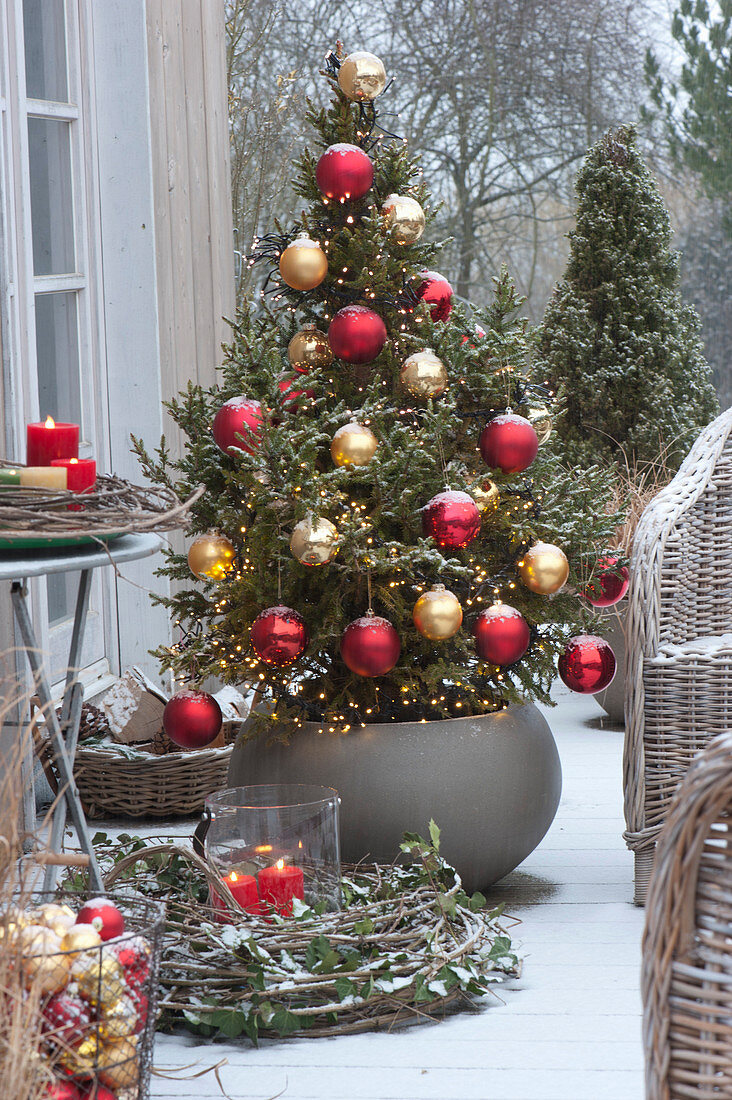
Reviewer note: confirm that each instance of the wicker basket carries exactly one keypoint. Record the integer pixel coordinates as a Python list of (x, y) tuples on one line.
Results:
[(687, 944), (173, 785)]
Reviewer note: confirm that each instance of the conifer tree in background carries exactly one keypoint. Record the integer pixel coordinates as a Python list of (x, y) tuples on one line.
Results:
[(616, 340), (369, 439)]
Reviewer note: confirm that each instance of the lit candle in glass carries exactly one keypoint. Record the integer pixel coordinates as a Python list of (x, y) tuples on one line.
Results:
[(50, 440), (278, 885), (243, 890)]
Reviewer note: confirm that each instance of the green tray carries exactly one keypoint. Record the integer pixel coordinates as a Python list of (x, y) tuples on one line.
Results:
[(53, 542)]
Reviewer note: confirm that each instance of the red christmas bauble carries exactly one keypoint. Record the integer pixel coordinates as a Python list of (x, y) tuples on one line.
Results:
[(509, 443), (501, 634), (370, 646), (142, 1007), (587, 664), (609, 586), (62, 1090), (451, 518), (239, 416), (133, 955), (104, 917), (479, 334), (279, 636), (344, 172), (436, 290), (356, 334), (192, 719), (66, 1019), (292, 399), (101, 1092)]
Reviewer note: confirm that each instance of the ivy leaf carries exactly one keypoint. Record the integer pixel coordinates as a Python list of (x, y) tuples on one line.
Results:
[(284, 1022), (447, 904), (345, 988), (434, 834), (363, 927), (421, 992), (477, 902), (229, 1021)]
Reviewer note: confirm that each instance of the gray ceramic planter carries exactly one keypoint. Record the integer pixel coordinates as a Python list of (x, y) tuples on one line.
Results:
[(491, 783), (612, 699)]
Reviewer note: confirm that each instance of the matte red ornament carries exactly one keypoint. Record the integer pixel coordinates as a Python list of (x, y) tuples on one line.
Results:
[(509, 443), (370, 646), (587, 664), (239, 416), (101, 1092), (501, 634), (344, 172), (479, 334), (452, 519), (142, 1007), (609, 586), (192, 719), (66, 1018), (133, 955), (279, 636), (293, 399), (62, 1090), (356, 334), (436, 290), (104, 917)]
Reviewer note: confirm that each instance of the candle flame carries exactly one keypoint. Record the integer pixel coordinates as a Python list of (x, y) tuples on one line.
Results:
[(299, 844), (280, 864), (263, 848), (72, 461), (233, 877), (50, 422)]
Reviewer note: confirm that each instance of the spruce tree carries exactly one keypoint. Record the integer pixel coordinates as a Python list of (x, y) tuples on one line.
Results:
[(617, 340), (282, 473)]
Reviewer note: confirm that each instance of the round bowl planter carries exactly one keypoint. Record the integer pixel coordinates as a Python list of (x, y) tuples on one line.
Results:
[(612, 699), (492, 783)]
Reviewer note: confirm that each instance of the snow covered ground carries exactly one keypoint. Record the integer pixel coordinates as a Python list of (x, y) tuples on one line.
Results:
[(569, 1029)]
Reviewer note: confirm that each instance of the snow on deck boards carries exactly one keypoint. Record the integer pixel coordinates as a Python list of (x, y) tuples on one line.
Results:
[(568, 1029)]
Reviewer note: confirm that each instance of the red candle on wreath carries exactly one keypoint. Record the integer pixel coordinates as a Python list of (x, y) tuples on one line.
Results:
[(49, 440), (278, 885), (243, 890), (81, 476)]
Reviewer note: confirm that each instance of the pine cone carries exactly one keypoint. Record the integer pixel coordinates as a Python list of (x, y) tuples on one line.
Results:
[(161, 743), (93, 722)]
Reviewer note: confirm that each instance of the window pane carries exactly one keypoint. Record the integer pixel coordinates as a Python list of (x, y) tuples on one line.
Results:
[(45, 50), (61, 590), (52, 211), (57, 348)]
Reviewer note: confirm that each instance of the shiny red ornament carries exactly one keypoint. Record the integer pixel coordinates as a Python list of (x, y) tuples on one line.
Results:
[(192, 719), (63, 1090), (142, 1007), (435, 290), (452, 519), (344, 172), (279, 636), (587, 664), (370, 646), (239, 416), (293, 399), (66, 1019), (501, 634), (104, 917), (608, 586), (356, 334), (509, 443), (133, 955)]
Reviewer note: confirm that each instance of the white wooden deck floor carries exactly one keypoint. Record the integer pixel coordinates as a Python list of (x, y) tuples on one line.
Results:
[(569, 1029)]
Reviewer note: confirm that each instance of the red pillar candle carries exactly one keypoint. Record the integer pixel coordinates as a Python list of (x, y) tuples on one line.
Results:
[(81, 473), (278, 885), (244, 891), (49, 440)]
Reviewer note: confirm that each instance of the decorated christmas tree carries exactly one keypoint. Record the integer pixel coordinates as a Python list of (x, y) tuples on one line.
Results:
[(617, 341), (382, 536)]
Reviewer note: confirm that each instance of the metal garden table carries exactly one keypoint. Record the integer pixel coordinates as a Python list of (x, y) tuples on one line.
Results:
[(17, 566)]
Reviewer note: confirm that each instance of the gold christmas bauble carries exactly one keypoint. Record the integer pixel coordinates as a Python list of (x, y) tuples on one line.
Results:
[(437, 614), (303, 264), (541, 421), (100, 977), (544, 568), (59, 918), (423, 375), (362, 75), (80, 937), (119, 1019), (82, 1060), (44, 968), (404, 217), (486, 495), (309, 350), (314, 543), (118, 1065), (211, 556), (353, 444)]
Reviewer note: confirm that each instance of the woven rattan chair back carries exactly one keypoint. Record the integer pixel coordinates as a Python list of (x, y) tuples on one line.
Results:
[(686, 975), (678, 667)]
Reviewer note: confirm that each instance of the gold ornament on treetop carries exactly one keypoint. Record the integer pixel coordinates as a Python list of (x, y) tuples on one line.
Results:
[(437, 614), (486, 495), (303, 264), (423, 375), (314, 543), (309, 349), (404, 217), (544, 568), (353, 445), (541, 421), (362, 75), (211, 556)]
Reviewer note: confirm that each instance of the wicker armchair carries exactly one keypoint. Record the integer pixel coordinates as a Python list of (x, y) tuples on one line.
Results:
[(686, 975), (679, 649)]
